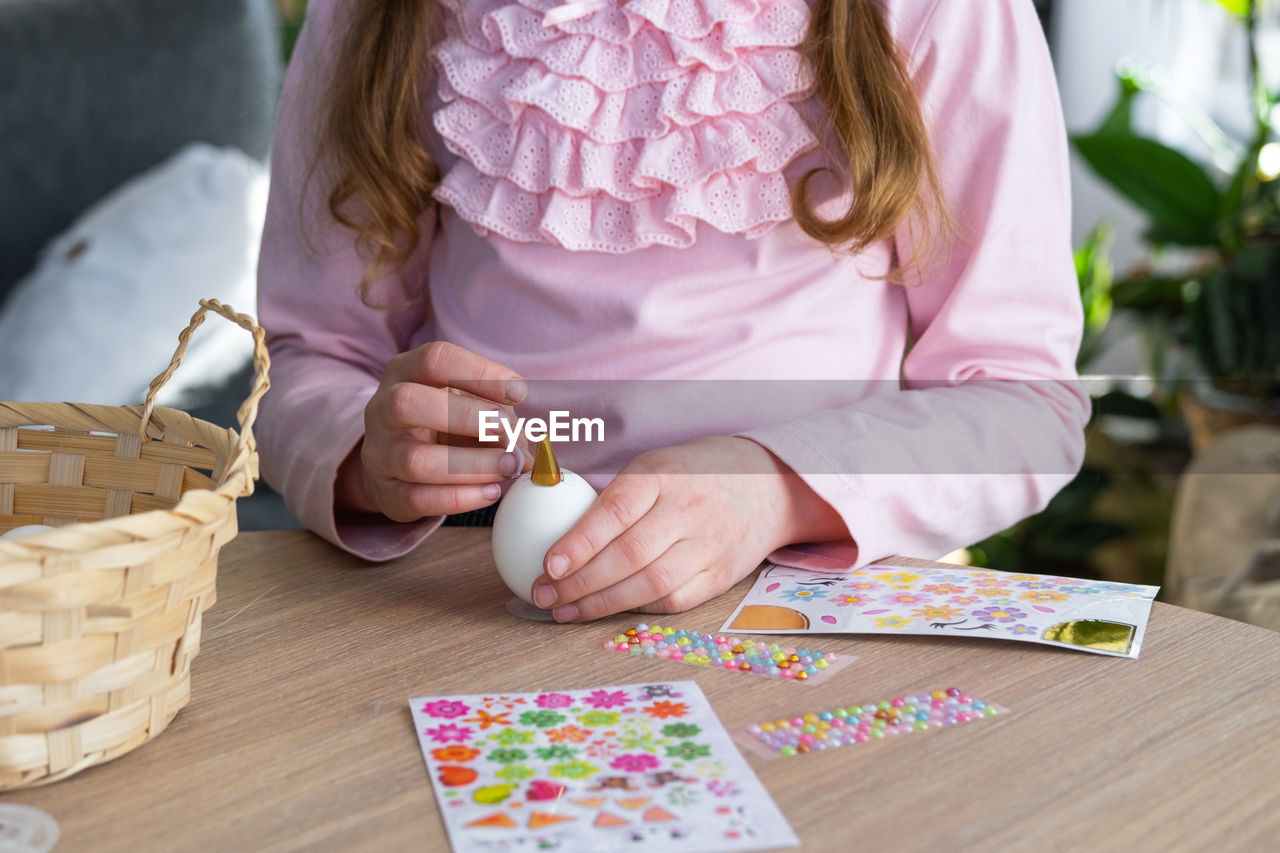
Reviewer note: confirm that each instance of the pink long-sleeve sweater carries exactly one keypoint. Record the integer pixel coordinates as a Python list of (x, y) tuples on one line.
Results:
[(615, 207)]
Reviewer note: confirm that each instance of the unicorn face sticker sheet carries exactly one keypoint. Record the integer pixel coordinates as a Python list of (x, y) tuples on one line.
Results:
[(1092, 616), (637, 767)]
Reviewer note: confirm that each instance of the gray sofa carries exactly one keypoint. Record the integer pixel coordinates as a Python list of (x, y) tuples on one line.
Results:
[(94, 92)]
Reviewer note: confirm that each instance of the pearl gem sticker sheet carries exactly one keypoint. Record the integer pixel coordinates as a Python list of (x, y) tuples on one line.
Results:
[(1093, 616), (635, 767)]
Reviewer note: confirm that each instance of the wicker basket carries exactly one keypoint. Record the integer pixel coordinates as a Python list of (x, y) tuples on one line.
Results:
[(99, 620)]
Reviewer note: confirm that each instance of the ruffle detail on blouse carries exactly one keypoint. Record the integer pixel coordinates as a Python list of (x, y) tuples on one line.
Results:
[(626, 127)]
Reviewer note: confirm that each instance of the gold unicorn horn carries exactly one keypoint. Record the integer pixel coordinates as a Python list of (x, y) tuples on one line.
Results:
[(546, 471)]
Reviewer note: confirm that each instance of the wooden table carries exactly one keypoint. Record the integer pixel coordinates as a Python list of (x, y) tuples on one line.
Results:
[(298, 735)]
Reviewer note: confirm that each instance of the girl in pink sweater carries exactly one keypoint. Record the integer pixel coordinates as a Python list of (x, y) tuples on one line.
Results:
[(866, 199)]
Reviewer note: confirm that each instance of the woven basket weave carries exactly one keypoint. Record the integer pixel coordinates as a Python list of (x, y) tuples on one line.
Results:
[(99, 620)]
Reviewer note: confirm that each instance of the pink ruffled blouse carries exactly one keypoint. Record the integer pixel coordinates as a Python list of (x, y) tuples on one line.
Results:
[(616, 206)]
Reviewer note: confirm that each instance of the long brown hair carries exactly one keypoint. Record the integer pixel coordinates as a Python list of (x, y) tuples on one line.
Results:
[(374, 124)]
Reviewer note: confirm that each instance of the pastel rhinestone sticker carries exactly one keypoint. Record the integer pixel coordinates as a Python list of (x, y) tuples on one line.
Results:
[(600, 769), (856, 724), (735, 654), (1092, 616)]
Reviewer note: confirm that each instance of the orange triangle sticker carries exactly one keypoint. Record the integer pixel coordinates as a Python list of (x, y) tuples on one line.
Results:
[(590, 802), (538, 820), (606, 819), (497, 819), (658, 813), (634, 803)]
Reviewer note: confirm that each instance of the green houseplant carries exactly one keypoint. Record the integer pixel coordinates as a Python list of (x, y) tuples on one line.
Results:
[(1225, 307)]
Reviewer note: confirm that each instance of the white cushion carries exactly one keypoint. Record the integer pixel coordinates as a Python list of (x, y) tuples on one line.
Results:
[(99, 317)]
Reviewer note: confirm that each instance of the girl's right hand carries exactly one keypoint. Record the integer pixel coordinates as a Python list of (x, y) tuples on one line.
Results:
[(421, 455)]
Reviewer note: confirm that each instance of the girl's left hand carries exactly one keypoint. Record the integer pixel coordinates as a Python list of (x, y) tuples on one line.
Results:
[(665, 535)]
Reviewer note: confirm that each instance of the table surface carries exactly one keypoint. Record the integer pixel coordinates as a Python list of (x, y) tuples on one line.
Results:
[(298, 734)]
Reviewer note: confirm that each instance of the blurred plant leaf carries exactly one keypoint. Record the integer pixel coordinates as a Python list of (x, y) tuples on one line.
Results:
[(1239, 8), (1120, 119), (1150, 294), (1094, 273), (1178, 196)]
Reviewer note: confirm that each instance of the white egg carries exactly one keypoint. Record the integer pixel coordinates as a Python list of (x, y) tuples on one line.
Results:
[(25, 531), (529, 521)]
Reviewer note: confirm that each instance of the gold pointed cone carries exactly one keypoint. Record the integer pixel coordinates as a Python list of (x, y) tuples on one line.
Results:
[(546, 471)]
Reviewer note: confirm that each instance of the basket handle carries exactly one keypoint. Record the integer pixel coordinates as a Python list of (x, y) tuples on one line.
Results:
[(248, 411)]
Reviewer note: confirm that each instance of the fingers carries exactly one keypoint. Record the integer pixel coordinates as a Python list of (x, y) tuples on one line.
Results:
[(622, 503), (671, 582), (417, 462), (409, 405), (446, 365), (406, 502), (636, 547)]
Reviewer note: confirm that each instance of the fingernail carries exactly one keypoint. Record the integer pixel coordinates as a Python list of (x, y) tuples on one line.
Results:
[(565, 614), (544, 596), (517, 390), (509, 463), (557, 565), (491, 491)]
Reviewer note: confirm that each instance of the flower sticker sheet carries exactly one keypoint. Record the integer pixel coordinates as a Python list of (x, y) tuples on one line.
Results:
[(635, 767), (1093, 616)]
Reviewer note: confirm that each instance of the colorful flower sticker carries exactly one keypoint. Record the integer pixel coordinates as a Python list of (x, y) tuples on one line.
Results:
[(445, 708), (724, 788), (634, 762), (965, 599), (938, 613), (1021, 630), (906, 598), (992, 591), (943, 588), (903, 578), (543, 719), (568, 734), (688, 751), (999, 614), (864, 586), (448, 732), (556, 752), (605, 699), (804, 593), (485, 719), (662, 710), (454, 753), (642, 742), (602, 748), (1045, 595), (573, 770), (516, 773), (507, 755), (681, 730), (852, 599), (512, 737), (554, 700), (599, 718), (892, 622)]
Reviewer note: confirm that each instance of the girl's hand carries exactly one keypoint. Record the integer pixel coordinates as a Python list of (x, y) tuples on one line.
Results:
[(663, 537), (421, 454)]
